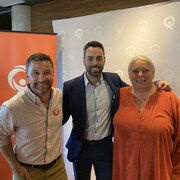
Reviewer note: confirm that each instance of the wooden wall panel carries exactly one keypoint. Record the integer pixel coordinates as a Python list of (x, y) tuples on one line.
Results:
[(43, 14)]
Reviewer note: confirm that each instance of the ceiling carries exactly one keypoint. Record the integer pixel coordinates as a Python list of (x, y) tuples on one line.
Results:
[(5, 5)]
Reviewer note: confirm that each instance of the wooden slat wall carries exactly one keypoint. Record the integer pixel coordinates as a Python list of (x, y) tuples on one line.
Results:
[(43, 14)]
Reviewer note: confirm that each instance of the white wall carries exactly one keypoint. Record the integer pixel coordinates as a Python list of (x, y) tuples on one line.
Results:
[(149, 30)]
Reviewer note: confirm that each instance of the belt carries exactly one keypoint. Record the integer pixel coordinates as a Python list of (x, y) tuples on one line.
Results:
[(95, 142), (41, 166)]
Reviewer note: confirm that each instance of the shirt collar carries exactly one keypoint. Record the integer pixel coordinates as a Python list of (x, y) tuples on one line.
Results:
[(86, 81), (33, 96)]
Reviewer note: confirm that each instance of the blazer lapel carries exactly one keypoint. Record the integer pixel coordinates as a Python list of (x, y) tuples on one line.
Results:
[(115, 90), (110, 83), (82, 94)]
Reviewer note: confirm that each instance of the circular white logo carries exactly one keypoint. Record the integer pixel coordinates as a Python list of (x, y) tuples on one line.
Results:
[(169, 22), (19, 86), (79, 33)]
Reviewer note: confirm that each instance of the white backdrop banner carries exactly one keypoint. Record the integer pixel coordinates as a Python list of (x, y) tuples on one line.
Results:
[(149, 30)]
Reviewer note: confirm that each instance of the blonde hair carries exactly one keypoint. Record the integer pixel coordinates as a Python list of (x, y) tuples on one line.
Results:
[(141, 57)]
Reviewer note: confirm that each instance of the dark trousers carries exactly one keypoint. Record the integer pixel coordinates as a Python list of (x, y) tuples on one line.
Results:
[(97, 154)]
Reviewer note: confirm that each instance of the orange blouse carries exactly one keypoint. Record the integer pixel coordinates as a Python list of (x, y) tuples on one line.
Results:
[(147, 143)]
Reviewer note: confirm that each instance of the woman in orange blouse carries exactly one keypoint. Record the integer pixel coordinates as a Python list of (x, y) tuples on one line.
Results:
[(146, 128)]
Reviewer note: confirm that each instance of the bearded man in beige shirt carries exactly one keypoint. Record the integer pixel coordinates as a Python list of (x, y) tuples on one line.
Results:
[(34, 116)]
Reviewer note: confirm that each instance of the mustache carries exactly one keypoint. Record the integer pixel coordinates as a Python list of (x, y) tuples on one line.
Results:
[(95, 66), (43, 82)]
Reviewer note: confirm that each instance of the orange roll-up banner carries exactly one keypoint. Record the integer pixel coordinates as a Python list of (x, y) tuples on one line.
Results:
[(15, 48)]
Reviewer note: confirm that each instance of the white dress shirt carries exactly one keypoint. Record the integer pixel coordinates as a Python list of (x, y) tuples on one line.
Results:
[(98, 103)]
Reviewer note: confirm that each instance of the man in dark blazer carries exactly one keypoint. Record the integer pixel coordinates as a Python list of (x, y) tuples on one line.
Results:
[(92, 100), (82, 102)]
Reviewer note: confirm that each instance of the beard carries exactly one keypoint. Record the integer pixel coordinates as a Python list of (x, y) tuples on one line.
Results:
[(94, 71), (41, 88)]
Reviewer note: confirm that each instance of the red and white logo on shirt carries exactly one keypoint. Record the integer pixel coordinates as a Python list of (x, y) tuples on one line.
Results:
[(56, 112)]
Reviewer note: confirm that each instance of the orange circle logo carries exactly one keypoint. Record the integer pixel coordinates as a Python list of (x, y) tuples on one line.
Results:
[(56, 112)]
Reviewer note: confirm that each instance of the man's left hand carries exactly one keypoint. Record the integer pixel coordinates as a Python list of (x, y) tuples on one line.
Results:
[(164, 85)]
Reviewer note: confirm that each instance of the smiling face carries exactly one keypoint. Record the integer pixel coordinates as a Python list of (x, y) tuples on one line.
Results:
[(94, 61), (141, 74), (40, 76)]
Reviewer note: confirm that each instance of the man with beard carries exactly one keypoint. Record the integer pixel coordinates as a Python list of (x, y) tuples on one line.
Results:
[(34, 116), (92, 100)]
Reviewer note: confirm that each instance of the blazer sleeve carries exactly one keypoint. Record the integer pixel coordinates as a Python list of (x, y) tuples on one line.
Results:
[(121, 82), (118, 81), (66, 107)]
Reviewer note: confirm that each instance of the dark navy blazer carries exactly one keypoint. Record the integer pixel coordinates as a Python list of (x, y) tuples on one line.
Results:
[(74, 104)]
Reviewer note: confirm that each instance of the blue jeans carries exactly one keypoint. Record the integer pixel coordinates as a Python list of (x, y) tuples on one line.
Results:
[(100, 156)]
